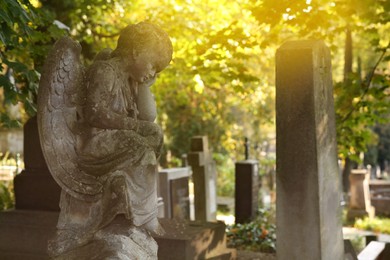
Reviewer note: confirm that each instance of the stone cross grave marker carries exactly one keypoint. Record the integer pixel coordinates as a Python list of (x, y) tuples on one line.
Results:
[(204, 178), (307, 182)]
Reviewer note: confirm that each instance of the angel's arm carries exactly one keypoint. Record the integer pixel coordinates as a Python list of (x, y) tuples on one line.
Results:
[(97, 110)]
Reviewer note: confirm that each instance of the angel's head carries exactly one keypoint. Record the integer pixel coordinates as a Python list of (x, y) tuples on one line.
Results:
[(146, 48)]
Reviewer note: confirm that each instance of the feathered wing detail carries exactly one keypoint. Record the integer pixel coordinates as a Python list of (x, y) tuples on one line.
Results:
[(60, 98)]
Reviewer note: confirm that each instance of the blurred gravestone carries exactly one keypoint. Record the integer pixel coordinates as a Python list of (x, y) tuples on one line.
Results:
[(35, 188), (173, 188), (204, 178), (24, 232), (308, 189), (246, 190), (360, 201)]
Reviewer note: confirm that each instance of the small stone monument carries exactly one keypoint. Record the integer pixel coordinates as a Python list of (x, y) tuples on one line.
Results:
[(25, 230), (360, 201), (246, 190), (34, 187), (204, 178), (307, 178), (101, 145), (174, 190)]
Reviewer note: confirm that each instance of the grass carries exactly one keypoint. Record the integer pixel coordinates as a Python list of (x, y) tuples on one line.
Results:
[(377, 224), (7, 198)]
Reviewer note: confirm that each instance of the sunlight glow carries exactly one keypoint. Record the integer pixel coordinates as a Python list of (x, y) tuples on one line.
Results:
[(308, 9), (207, 63), (120, 9), (199, 86), (35, 3), (288, 17)]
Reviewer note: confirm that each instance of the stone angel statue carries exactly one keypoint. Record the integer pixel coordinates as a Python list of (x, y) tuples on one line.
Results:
[(101, 144)]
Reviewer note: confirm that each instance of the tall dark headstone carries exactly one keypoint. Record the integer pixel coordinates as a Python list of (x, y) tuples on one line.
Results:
[(35, 188), (308, 188), (24, 232), (247, 190)]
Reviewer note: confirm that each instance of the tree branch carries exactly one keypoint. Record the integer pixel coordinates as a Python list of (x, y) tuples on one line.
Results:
[(103, 35), (366, 85)]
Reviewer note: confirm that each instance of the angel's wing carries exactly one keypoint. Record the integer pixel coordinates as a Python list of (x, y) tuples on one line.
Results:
[(60, 96)]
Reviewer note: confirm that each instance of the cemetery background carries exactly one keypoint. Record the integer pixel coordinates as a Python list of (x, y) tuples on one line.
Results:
[(222, 76)]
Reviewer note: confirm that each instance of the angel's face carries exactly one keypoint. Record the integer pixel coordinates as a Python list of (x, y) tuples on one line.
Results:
[(144, 66)]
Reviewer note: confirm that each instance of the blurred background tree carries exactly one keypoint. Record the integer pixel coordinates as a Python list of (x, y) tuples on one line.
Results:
[(221, 80)]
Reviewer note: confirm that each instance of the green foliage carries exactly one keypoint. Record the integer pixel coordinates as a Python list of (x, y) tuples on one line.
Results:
[(258, 235), (358, 111), (7, 198), (360, 103), (221, 80), (225, 175), (377, 224), (211, 80), (14, 17), (26, 36)]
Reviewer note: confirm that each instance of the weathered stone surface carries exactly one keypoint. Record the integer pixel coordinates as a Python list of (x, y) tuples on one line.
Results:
[(308, 187), (184, 240), (101, 146), (118, 240)]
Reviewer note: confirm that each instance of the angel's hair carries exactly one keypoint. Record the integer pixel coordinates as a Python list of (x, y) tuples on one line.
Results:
[(145, 36)]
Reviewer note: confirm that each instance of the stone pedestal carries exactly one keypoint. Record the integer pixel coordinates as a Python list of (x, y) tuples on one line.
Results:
[(204, 178), (24, 235), (24, 232), (360, 203), (246, 190), (307, 180), (186, 240), (174, 190)]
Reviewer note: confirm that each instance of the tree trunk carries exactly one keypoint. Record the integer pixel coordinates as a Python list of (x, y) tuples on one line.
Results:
[(348, 58)]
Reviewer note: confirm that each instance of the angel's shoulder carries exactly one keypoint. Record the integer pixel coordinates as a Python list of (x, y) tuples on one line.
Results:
[(102, 67), (101, 76)]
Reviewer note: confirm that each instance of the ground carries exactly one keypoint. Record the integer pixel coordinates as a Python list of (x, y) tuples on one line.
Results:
[(248, 255)]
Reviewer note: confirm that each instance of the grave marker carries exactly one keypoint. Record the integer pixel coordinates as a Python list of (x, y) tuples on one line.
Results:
[(308, 189), (246, 190), (360, 201), (173, 188), (204, 178)]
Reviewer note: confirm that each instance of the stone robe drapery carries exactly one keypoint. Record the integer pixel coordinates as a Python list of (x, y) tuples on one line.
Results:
[(121, 154)]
